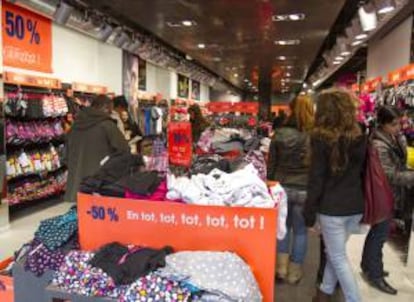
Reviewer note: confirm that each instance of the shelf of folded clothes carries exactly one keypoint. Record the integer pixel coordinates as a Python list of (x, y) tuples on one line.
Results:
[(41, 174)]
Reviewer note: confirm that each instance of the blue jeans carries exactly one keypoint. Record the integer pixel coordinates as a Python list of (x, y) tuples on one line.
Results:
[(296, 228), (336, 231)]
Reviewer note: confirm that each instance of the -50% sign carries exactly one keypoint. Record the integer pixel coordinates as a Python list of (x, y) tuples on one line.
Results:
[(17, 26), (102, 213)]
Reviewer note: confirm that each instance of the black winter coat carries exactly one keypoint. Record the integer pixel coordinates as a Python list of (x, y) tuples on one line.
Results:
[(335, 194), (94, 136), (288, 158)]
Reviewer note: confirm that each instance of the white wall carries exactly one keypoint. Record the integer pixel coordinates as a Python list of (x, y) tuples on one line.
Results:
[(79, 58), (390, 52), (162, 82), (204, 93)]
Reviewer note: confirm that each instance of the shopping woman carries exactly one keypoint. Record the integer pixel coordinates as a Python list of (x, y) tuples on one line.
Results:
[(392, 150), (288, 165), (335, 196)]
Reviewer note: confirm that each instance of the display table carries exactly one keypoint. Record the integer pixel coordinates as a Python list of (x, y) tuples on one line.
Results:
[(248, 232)]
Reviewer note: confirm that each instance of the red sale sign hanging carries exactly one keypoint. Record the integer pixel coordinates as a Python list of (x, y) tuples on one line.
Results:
[(27, 39), (180, 144)]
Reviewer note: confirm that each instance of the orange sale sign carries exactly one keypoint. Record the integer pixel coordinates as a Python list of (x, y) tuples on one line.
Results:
[(248, 232), (27, 39)]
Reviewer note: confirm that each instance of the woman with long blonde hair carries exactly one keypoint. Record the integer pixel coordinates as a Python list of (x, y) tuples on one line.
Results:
[(335, 186), (288, 165)]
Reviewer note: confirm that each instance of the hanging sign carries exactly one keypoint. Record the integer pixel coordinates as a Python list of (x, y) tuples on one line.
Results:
[(355, 88), (409, 72), (242, 107), (27, 39), (95, 89), (180, 143), (248, 232), (30, 80)]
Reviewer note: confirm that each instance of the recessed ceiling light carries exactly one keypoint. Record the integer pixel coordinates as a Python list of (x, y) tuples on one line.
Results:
[(282, 58), (201, 46), (287, 42), (339, 58), (345, 53), (174, 24), (236, 75), (336, 62), (361, 36), (217, 59), (385, 6), (288, 74), (357, 42), (288, 17), (246, 80), (187, 23)]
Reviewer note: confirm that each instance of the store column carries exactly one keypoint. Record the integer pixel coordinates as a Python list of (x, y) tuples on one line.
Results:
[(265, 90)]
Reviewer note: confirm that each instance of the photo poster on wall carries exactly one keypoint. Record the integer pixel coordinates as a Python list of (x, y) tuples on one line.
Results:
[(142, 74), (195, 90), (130, 68), (183, 86)]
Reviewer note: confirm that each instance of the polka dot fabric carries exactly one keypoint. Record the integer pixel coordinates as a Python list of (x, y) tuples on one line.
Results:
[(40, 259), (156, 288), (77, 276), (56, 231), (220, 273)]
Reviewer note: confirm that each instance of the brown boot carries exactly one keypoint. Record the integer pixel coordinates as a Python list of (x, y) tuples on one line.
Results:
[(295, 273), (321, 296), (282, 266)]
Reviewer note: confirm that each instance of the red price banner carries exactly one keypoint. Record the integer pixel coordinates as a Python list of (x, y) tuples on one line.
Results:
[(27, 39), (180, 143)]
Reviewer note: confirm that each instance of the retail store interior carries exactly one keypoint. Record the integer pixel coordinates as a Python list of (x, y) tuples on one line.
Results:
[(147, 150)]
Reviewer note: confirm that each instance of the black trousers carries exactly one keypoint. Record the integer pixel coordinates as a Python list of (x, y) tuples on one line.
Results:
[(372, 263)]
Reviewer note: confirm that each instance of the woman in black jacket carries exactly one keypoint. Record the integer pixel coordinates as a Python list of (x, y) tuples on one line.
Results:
[(288, 164), (335, 195), (392, 151)]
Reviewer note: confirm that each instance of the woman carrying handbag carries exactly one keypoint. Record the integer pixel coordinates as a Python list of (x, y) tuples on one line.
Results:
[(386, 180)]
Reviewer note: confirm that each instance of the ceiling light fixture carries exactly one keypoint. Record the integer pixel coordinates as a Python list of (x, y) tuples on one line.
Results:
[(288, 74), (201, 46), (236, 75), (62, 13), (368, 17), (246, 80), (357, 42), (339, 58), (217, 59), (288, 17), (385, 6), (336, 62), (305, 85), (121, 39), (343, 46), (105, 32), (287, 42), (282, 58), (134, 46), (187, 23)]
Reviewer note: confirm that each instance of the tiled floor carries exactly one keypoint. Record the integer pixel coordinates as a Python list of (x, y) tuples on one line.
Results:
[(24, 224)]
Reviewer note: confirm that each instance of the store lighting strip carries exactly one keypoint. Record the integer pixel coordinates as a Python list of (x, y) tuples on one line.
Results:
[(336, 64)]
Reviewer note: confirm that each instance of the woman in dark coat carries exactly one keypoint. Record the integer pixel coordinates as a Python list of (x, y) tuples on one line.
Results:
[(392, 150)]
